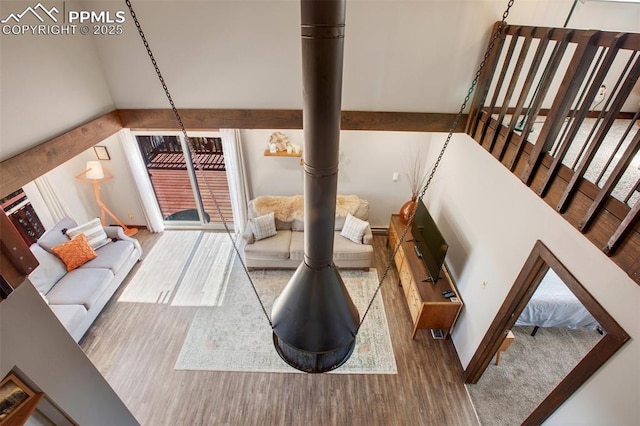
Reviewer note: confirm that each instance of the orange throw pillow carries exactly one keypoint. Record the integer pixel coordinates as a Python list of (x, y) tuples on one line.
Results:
[(75, 252)]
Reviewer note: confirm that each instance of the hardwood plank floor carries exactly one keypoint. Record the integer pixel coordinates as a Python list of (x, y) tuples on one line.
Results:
[(135, 346)]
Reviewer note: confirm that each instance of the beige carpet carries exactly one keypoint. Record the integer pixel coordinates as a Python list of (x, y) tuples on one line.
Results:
[(528, 371), (184, 268), (236, 336)]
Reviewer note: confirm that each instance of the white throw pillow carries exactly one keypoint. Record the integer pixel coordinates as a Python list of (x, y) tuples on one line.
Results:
[(263, 226), (94, 232), (354, 228)]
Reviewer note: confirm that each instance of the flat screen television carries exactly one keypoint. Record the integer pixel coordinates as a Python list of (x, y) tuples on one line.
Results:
[(431, 246)]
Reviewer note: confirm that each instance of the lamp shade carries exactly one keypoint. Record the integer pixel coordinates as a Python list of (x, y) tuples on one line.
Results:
[(94, 170)]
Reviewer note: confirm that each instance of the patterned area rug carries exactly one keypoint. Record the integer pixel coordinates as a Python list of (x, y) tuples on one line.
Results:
[(184, 268), (236, 336)]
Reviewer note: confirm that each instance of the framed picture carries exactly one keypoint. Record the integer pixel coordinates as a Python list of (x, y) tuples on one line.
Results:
[(101, 152), (14, 395)]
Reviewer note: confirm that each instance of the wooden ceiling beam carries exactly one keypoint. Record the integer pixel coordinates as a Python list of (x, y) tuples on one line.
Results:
[(213, 119), (21, 169)]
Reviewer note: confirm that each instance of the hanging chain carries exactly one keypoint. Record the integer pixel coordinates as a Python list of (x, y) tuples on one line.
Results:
[(454, 125), (194, 158), (420, 196)]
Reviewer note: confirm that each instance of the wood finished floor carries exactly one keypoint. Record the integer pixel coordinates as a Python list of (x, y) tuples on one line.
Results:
[(135, 347)]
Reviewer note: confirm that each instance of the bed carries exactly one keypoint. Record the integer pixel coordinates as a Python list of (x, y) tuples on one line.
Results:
[(554, 305)]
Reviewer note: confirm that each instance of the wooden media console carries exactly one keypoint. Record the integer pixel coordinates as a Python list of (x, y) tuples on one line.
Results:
[(428, 307)]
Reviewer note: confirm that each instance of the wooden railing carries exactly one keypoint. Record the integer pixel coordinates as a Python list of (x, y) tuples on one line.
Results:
[(165, 152), (556, 106)]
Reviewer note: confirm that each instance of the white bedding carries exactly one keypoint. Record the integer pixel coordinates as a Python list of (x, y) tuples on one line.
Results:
[(554, 305)]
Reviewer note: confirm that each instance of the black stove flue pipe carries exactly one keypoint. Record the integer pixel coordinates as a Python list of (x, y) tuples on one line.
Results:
[(314, 319)]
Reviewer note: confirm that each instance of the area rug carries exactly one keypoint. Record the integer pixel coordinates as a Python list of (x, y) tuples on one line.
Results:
[(184, 268), (236, 336), (528, 371)]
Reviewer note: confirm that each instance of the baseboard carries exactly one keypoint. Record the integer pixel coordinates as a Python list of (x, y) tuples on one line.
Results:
[(382, 231)]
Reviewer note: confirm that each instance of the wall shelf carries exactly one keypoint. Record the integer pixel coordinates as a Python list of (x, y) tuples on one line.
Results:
[(268, 153)]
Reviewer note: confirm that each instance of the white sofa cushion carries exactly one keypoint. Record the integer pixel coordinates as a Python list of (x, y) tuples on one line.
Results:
[(82, 286), (112, 256), (343, 249), (274, 248), (50, 270), (347, 250)]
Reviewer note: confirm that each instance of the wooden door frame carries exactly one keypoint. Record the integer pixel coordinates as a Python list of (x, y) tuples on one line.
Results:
[(536, 266)]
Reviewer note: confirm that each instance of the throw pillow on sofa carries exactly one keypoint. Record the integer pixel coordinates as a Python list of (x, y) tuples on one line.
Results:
[(94, 232), (76, 252), (263, 226), (56, 234), (354, 228)]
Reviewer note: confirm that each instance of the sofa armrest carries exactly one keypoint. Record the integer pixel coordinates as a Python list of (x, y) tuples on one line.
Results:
[(367, 238), (118, 233), (247, 234)]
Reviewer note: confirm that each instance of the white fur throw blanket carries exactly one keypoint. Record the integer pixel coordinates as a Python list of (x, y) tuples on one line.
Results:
[(288, 208)]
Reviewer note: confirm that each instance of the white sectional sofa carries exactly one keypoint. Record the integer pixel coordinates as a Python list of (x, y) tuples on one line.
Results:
[(285, 249), (78, 296)]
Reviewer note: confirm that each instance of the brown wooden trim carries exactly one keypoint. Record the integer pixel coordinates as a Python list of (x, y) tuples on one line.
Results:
[(23, 168), (401, 121), (213, 119), (544, 112), (539, 261), (606, 37), (26, 166)]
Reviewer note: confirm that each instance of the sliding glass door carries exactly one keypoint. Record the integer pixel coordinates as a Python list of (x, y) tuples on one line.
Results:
[(189, 181)]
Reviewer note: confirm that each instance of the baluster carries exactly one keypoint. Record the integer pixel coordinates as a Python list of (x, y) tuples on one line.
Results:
[(616, 149), (573, 78), (512, 84), (634, 188), (500, 82), (582, 113), (540, 94), (623, 94), (627, 225), (484, 81), (528, 83), (612, 181)]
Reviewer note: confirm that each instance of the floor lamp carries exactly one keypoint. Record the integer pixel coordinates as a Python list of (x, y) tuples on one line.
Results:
[(95, 174)]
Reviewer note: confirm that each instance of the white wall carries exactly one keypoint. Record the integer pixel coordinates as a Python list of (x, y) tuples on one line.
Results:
[(400, 55), (34, 340), (491, 221), (367, 163), (119, 194), (49, 84)]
